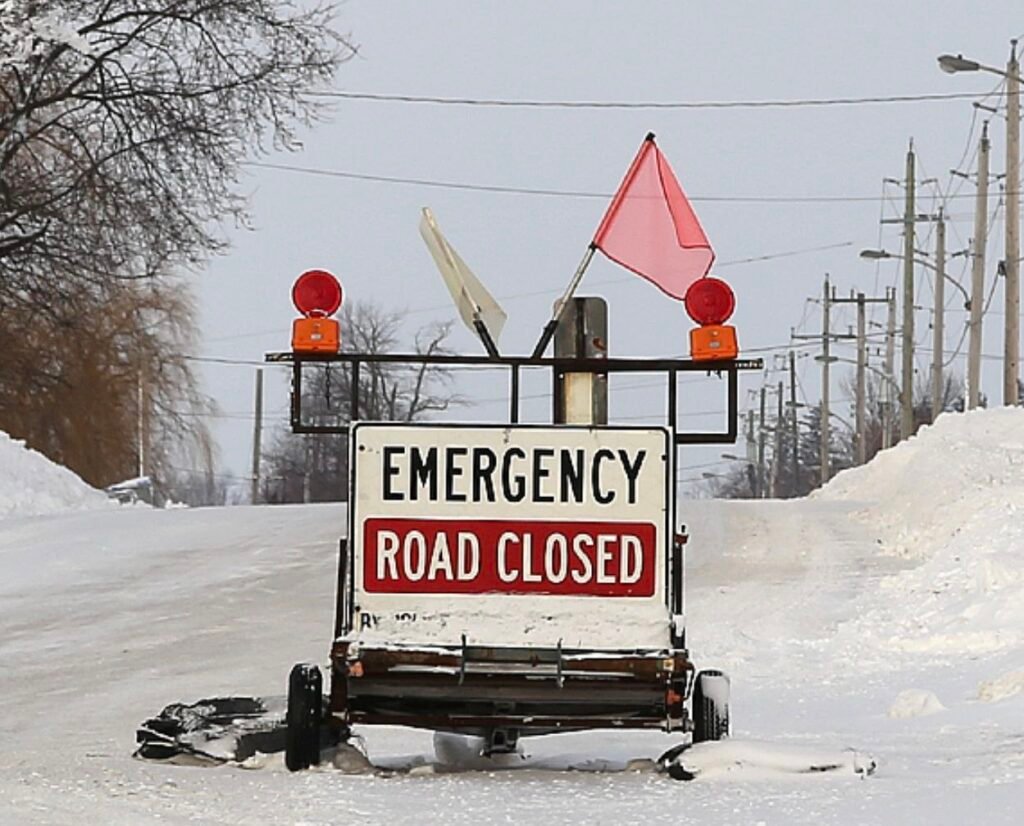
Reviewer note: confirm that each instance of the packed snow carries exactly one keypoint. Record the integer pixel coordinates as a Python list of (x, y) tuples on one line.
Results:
[(950, 502), (878, 622), (32, 485)]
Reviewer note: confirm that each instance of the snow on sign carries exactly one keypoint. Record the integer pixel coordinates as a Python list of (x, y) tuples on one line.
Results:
[(503, 533)]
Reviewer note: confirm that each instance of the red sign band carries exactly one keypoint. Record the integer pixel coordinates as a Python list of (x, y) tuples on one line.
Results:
[(499, 556)]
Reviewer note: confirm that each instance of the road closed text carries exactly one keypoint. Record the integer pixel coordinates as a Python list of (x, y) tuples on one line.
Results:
[(440, 556)]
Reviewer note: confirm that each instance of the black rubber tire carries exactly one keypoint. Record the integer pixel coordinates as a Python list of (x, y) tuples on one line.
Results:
[(305, 710), (710, 706)]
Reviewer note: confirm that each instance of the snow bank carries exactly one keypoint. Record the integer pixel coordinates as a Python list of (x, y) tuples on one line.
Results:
[(950, 502), (32, 485)]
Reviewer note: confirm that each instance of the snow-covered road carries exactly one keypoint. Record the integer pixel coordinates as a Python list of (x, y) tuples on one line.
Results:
[(107, 616)]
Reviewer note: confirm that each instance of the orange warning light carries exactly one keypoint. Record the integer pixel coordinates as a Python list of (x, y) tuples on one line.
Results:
[(317, 295), (710, 302)]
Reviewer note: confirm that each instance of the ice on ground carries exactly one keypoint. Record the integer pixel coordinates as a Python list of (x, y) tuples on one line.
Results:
[(915, 702), (32, 485), (752, 760)]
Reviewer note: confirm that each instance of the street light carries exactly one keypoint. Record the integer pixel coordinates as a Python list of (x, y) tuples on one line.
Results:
[(874, 255), (938, 328), (754, 474), (951, 64), (1011, 340)]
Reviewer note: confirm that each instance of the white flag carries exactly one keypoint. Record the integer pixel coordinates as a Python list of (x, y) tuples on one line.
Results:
[(471, 298)]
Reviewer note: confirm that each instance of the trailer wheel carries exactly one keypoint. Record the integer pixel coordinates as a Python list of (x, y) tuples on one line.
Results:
[(710, 706), (305, 706)]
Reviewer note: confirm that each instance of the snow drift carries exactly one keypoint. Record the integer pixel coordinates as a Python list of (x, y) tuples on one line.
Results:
[(32, 485), (950, 502)]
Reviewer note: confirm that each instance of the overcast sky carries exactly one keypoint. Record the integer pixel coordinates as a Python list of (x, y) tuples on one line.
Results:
[(525, 247)]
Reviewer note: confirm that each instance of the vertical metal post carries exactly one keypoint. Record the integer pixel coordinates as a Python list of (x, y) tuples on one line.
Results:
[(296, 393), (1011, 348), (862, 364), (514, 394), (978, 275), (257, 433), (938, 325), (354, 397), (583, 333), (734, 402), (673, 401), (907, 382)]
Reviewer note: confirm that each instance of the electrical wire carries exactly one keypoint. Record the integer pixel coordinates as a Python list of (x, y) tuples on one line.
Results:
[(554, 193), (777, 103)]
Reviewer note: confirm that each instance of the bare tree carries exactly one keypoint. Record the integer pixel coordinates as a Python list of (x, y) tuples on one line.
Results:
[(123, 124), (297, 467)]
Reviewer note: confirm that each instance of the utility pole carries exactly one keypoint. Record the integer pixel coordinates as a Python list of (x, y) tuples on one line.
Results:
[(860, 421), (777, 454), (1011, 349), (257, 433), (795, 434), (862, 364), (907, 383), (890, 359), (938, 325), (826, 359), (141, 423), (761, 475), (978, 275), (751, 455)]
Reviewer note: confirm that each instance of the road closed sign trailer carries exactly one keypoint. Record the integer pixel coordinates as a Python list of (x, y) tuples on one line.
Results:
[(498, 575), (507, 579)]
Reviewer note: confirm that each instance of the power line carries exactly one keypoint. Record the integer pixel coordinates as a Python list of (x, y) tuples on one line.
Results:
[(558, 193), (776, 103)]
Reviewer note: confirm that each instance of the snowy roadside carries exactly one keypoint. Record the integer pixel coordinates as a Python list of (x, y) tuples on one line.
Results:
[(110, 615)]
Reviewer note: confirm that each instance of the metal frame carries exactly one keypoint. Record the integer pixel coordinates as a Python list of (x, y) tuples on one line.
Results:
[(515, 364), (497, 692)]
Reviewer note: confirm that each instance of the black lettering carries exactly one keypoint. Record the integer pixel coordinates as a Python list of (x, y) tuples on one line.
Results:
[(632, 471), (541, 473), (600, 496), (519, 492), (422, 472), (451, 472), (390, 471), (572, 476), (484, 463)]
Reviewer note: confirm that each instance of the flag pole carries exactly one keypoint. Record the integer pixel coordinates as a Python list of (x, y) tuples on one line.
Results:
[(485, 336), (552, 325)]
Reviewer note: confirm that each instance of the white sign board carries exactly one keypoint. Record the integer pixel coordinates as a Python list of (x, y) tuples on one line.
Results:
[(511, 535)]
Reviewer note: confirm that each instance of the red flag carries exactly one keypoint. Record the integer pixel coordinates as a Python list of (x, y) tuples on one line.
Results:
[(651, 229)]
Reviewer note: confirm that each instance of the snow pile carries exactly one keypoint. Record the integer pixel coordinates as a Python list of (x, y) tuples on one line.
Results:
[(915, 702), (950, 502), (1009, 685), (32, 485)]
